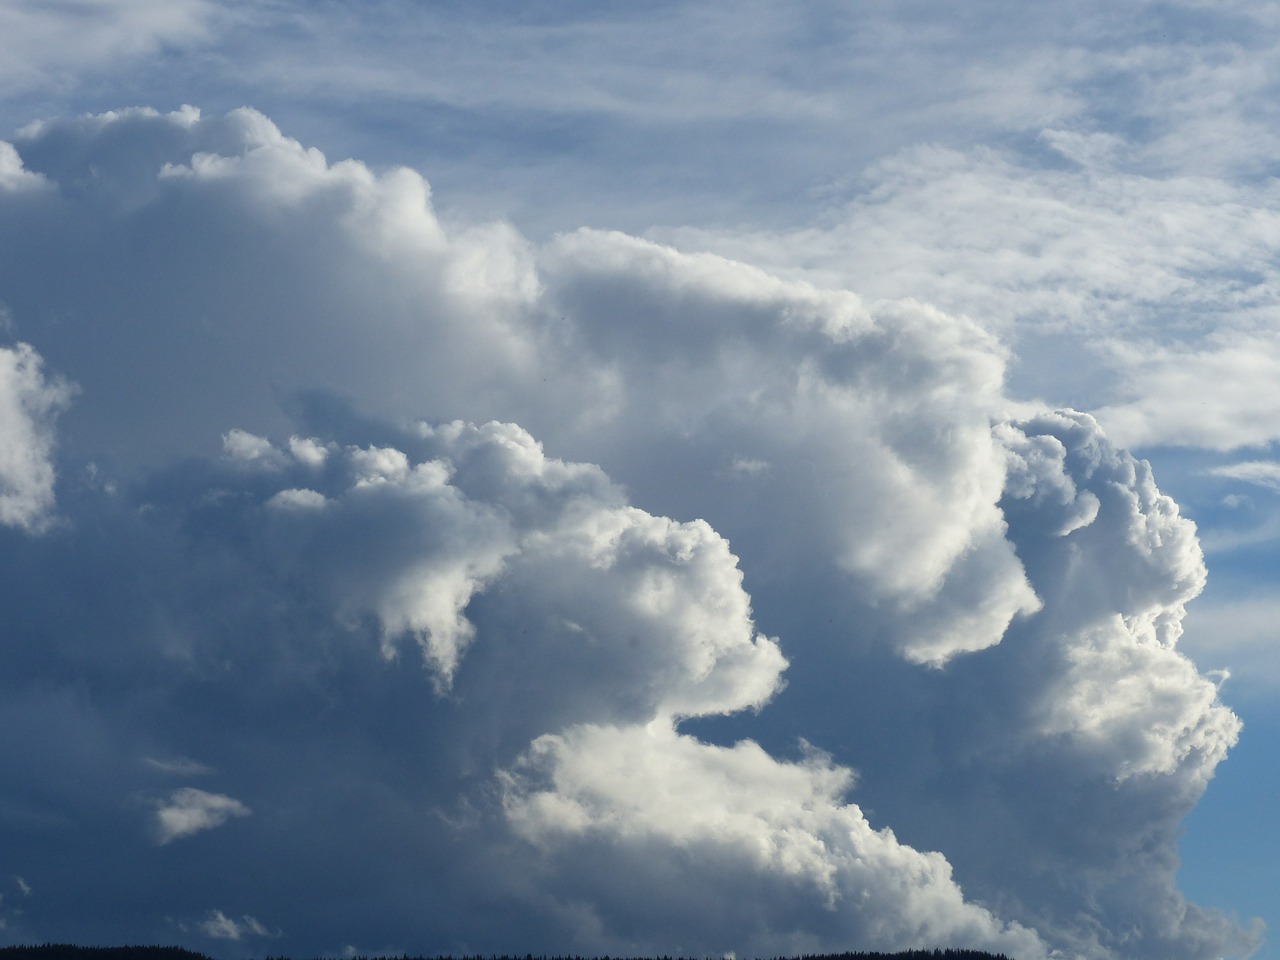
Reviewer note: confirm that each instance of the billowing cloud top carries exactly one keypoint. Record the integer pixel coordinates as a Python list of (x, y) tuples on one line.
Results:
[(501, 583)]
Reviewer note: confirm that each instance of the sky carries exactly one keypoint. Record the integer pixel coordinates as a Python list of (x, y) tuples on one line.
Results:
[(684, 478)]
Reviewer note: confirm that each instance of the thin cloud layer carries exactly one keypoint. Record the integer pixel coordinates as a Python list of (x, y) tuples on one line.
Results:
[(45, 44), (503, 579)]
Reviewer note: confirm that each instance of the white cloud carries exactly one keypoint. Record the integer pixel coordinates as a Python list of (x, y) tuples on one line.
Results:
[(308, 450), (14, 177), (592, 580), (1219, 396), (699, 344), (221, 927), (738, 839), (243, 447), (29, 404), (189, 811), (1095, 681), (297, 499), (1115, 611)]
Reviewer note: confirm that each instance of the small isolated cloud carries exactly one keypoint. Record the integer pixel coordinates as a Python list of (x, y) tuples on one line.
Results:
[(190, 811), (219, 926), (23, 886)]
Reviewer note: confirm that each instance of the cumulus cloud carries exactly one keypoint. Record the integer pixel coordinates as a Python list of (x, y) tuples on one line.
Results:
[(1095, 680), (641, 518), (858, 373), (627, 623), (603, 590), (189, 811), (792, 867)]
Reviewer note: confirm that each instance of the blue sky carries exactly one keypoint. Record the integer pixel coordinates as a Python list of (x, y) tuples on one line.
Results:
[(680, 478)]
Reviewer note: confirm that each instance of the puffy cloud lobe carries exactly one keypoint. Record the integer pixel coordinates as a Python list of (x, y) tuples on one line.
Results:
[(1089, 705), (29, 404), (646, 613), (1124, 687), (790, 866), (243, 447), (875, 424), (190, 811), (14, 177)]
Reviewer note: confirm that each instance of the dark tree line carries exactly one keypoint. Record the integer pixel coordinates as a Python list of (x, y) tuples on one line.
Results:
[(65, 951)]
